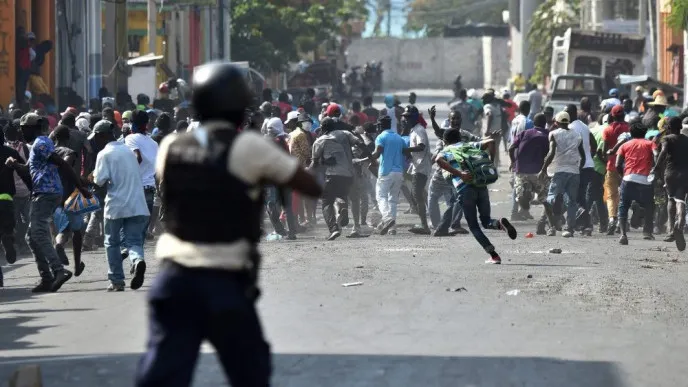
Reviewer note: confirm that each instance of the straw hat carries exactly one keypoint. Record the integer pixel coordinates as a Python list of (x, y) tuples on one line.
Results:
[(660, 100)]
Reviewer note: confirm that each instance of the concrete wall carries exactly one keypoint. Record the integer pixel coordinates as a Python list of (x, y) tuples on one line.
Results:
[(433, 62)]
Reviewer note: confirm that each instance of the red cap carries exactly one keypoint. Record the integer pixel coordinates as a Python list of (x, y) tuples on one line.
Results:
[(618, 111), (332, 109)]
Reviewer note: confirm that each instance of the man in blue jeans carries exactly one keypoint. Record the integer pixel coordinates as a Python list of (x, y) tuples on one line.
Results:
[(566, 157), (475, 201), (125, 205)]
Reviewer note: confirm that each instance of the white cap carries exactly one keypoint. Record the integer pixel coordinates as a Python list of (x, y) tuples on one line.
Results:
[(292, 116)]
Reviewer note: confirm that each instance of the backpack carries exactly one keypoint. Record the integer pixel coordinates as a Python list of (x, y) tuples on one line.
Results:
[(477, 162)]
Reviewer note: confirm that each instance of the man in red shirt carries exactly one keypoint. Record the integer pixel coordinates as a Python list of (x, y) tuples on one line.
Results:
[(634, 161), (612, 180)]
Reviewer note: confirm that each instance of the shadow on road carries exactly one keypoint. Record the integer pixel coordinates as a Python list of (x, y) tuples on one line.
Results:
[(301, 370)]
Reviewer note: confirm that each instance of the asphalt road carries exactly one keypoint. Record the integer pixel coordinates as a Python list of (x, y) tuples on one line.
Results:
[(598, 314)]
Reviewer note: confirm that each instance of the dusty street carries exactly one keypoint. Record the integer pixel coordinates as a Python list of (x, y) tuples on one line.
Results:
[(598, 314)]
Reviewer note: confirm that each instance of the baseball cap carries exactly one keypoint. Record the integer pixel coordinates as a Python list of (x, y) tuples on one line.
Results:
[(69, 110), (617, 111), (411, 111), (332, 109), (562, 118), (291, 116), (613, 92), (102, 126), (30, 119), (304, 117)]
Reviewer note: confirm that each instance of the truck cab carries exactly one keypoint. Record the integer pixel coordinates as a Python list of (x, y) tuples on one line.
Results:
[(570, 88), (597, 53)]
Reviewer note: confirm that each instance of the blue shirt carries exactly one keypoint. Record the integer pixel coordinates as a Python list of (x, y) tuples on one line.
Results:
[(392, 158), (449, 157), (44, 174)]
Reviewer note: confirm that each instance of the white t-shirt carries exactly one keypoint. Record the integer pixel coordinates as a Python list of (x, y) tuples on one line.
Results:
[(149, 152), (584, 132), (252, 159), (421, 163), (117, 166), (494, 111), (566, 157)]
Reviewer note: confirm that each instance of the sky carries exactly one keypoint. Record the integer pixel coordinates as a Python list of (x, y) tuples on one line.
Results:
[(398, 20)]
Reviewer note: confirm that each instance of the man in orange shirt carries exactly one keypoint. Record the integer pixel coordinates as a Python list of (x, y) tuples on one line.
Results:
[(634, 161)]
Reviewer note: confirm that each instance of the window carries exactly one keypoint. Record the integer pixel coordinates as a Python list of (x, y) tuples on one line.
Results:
[(587, 65)]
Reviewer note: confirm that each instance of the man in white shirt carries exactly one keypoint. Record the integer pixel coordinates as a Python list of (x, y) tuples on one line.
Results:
[(125, 209), (146, 151), (563, 163), (421, 164), (588, 170)]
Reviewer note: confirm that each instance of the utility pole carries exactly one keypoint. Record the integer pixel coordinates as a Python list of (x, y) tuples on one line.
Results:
[(152, 26), (221, 29), (389, 18)]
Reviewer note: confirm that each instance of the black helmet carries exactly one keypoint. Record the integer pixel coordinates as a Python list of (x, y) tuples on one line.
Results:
[(220, 92)]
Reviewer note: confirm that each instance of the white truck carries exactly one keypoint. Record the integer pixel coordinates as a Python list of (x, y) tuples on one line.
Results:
[(598, 53)]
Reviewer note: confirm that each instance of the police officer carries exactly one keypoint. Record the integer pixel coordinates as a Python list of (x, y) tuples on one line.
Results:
[(207, 286)]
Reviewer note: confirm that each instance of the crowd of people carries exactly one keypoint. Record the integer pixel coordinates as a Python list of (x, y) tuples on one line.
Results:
[(584, 169), (105, 154)]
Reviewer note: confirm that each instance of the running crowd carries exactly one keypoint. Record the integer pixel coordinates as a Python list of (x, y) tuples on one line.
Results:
[(584, 169)]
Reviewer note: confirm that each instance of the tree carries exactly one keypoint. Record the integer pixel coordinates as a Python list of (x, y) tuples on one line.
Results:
[(271, 34), (678, 18), (552, 18), (431, 16)]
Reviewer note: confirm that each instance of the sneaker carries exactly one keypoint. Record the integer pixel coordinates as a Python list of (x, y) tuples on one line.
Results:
[(670, 238), (648, 237), (680, 239), (79, 269), (587, 232), (526, 214), (61, 277), (62, 254), (334, 235), (392, 232), (10, 253), (139, 271), (567, 234), (494, 260), (552, 232), (623, 240), (386, 225), (420, 230), (505, 225), (440, 234), (291, 237), (611, 229), (355, 234), (458, 231), (115, 288), (43, 287)]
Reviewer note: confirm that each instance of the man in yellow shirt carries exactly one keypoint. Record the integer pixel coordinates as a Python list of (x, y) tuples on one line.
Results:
[(518, 83)]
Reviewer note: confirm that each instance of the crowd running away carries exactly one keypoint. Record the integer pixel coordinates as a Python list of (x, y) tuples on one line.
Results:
[(93, 177)]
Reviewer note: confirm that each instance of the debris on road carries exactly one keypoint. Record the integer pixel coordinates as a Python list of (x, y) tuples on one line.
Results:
[(555, 251), (273, 237), (350, 284), (529, 235), (647, 267), (530, 276), (461, 289), (359, 267), (659, 248), (513, 292)]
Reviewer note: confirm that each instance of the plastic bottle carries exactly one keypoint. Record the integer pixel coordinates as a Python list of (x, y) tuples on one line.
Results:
[(273, 237)]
